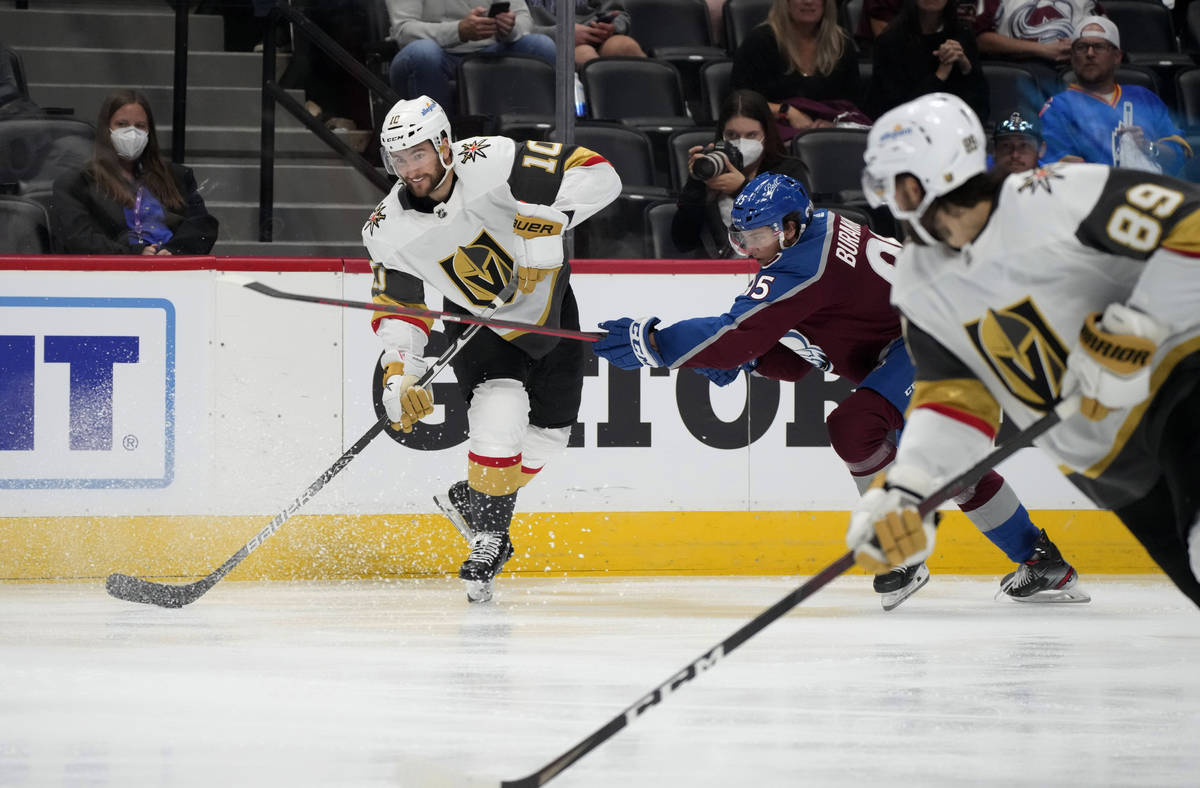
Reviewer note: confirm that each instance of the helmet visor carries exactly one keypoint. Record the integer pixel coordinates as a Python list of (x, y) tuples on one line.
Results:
[(745, 241)]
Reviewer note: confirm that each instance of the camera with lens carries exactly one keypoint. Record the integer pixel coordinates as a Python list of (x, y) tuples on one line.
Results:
[(712, 162)]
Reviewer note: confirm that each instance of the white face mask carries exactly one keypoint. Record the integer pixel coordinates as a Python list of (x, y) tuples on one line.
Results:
[(129, 141), (750, 149)]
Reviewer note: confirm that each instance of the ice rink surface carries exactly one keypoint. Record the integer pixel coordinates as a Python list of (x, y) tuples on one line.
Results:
[(402, 683)]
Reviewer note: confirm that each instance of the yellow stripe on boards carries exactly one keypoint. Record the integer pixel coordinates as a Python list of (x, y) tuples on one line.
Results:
[(335, 547)]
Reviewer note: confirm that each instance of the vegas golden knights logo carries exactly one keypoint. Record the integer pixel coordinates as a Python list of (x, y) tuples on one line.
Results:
[(1024, 352), (480, 269)]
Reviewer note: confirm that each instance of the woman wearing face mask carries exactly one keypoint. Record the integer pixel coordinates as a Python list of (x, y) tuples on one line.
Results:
[(128, 200), (746, 124)]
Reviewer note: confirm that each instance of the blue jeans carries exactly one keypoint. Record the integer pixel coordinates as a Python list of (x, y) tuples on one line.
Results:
[(423, 68)]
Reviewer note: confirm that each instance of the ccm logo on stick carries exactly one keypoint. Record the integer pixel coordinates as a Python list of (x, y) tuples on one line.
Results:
[(87, 391)]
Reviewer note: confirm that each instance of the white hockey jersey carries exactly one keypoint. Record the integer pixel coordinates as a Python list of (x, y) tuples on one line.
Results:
[(990, 326), (469, 246)]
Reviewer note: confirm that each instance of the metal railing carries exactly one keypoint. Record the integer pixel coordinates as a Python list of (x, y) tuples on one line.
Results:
[(272, 94)]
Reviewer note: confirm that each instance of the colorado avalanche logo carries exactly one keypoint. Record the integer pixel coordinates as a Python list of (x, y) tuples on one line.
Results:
[(470, 150), (374, 219), (1044, 21), (802, 347)]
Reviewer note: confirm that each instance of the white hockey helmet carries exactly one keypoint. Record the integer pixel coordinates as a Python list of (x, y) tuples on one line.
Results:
[(413, 121), (937, 139)]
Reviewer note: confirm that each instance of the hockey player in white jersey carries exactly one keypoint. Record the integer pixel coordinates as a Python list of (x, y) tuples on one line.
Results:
[(1075, 280), (466, 217)]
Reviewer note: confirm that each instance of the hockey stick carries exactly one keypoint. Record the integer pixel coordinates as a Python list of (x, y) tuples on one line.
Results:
[(818, 581), (135, 589), (395, 309)]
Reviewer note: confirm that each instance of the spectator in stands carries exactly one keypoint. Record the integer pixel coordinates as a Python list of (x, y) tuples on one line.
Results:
[(800, 52), (601, 28), (1017, 144), (746, 123), (13, 101), (1097, 120), (927, 49), (338, 101), (128, 200), (1036, 32), (434, 35)]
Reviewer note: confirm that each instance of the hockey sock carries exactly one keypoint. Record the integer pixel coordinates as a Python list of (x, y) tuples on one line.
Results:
[(992, 506), (492, 512)]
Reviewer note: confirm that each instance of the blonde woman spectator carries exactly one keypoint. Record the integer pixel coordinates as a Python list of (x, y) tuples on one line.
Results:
[(799, 52)]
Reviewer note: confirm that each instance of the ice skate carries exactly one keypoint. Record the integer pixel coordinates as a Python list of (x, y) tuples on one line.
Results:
[(490, 551), (899, 584), (1045, 577), (455, 503)]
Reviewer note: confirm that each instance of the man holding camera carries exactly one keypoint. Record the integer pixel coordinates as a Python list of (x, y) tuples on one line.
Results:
[(822, 300), (434, 35)]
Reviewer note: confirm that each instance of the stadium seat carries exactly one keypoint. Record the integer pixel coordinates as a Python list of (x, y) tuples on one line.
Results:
[(1191, 32), (714, 86), (1187, 92), (24, 227), (513, 88), (1010, 87), (741, 16), (660, 245), (678, 145), (673, 30), (630, 152), (35, 151), (18, 71), (1145, 27), (639, 92), (834, 158), (855, 214)]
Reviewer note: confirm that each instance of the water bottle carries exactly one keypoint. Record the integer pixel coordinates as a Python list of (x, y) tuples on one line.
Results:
[(580, 101)]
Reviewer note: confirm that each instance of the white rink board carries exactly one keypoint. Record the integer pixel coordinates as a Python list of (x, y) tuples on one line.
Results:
[(269, 392)]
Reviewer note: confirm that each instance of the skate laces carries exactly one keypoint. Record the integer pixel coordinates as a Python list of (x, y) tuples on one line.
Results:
[(485, 548)]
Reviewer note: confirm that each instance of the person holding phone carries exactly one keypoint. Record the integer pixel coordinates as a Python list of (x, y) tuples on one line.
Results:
[(602, 29), (434, 35)]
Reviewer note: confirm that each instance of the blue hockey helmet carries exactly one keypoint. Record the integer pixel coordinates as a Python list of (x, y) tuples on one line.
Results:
[(765, 202)]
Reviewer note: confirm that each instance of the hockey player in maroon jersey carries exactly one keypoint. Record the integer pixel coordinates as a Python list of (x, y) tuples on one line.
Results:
[(821, 300)]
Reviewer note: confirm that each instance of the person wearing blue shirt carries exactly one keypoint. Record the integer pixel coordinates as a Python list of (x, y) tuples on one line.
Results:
[(1096, 120)]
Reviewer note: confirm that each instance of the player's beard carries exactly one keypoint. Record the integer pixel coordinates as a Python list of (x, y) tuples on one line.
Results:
[(428, 181)]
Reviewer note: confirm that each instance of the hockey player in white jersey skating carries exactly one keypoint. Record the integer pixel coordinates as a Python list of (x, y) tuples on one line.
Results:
[(1075, 280), (466, 217)]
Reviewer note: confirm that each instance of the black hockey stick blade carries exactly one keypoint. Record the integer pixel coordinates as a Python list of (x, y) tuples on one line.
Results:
[(818, 581), (396, 309), (136, 589)]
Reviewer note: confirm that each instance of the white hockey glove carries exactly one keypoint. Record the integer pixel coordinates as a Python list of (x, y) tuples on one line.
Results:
[(1110, 366), (541, 226), (404, 403), (885, 529)]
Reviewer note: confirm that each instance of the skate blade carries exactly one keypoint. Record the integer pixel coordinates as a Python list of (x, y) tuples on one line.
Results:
[(479, 591), (451, 512), (893, 600), (1066, 595)]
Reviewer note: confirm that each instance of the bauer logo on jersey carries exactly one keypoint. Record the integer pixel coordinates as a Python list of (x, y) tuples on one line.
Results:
[(87, 388), (1024, 352), (479, 269)]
